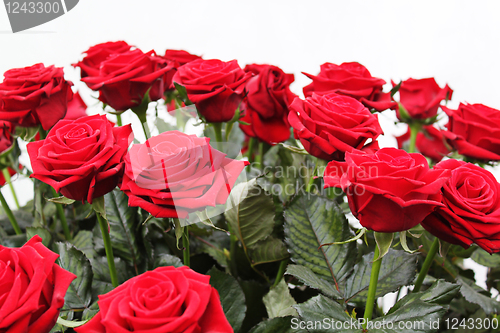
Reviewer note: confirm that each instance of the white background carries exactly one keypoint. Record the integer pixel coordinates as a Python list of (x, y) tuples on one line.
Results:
[(457, 42)]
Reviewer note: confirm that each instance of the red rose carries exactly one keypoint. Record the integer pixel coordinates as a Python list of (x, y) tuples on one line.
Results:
[(32, 288), (176, 59), (167, 299), (266, 105), (34, 95), (421, 98), (350, 79), (174, 174), (76, 108), (180, 56), (91, 64), (388, 191), (471, 212), (331, 125), (6, 138), (81, 159), (474, 130), (125, 78), (430, 143), (216, 87)]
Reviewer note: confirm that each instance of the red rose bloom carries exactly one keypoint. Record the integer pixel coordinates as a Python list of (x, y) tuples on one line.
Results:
[(350, 79), (474, 131), (76, 108), (125, 78), (81, 159), (180, 56), (388, 191), (421, 98), (34, 95), (174, 174), (91, 64), (430, 143), (216, 87), (176, 59), (6, 138), (32, 288), (266, 105), (330, 125), (167, 299), (471, 212)]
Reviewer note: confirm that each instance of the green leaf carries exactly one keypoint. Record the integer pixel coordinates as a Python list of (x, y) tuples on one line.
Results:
[(294, 149), (91, 311), (307, 276), (83, 242), (182, 93), (398, 269), (279, 302), (474, 294), (167, 260), (98, 205), (275, 325), (269, 250), (42, 232), (231, 296), (251, 215), (440, 292), (319, 308), (79, 294), (384, 242), (311, 221), (61, 200), (70, 323), (123, 224), (484, 258)]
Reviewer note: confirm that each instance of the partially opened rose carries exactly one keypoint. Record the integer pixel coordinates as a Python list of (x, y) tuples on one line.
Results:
[(91, 63), (330, 125), (6, 137), (471, 212), (167, 299), (350, 79), (174, 174), (421, 98), (35, 95), (81, 159), (474, 131), (32, 288), (176, 59), (390, 190), (125, 78), (266, 105), (215, 86)]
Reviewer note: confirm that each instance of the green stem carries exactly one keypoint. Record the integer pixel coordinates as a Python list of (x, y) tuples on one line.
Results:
[(229, 127), (414, 129), (372, 289), (103, 224), (311, 180), (281, 271), (218, 135), (260, 156), (8, 180), (251, 145), (9, 214), (43, 133), (427, 264), (62, 217), (144, 124), (185, 243), (232, 252), (119, 119)]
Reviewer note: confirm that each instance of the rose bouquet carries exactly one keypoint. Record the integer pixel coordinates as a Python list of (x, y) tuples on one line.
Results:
[(281, 213)]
